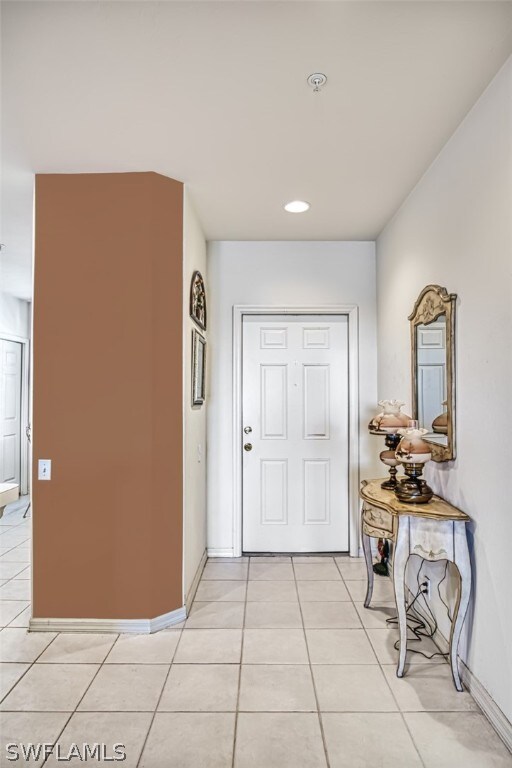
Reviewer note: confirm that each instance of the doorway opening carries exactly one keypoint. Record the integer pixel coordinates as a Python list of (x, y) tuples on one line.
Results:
[(14, 412), (296, 439)]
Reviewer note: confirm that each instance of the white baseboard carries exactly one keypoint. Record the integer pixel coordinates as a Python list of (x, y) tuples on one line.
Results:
[(483, 698), (140, 626), (189, 597), (481, 695), (213, 552)]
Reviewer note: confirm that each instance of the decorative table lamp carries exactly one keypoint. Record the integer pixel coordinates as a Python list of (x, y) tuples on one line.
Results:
[(413, 452), (387, 424), (440, 423)]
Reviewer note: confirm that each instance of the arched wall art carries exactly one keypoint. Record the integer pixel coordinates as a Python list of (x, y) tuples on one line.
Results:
[(198, 300)]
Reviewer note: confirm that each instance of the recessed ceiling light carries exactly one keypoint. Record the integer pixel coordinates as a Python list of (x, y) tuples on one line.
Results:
[(297, 206)]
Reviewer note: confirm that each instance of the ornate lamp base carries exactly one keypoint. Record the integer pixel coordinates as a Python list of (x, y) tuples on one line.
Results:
[(413, 489), (391, 441), (392, 482)]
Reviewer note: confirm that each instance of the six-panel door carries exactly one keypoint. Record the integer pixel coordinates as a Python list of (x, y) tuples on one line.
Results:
[(295, 461)]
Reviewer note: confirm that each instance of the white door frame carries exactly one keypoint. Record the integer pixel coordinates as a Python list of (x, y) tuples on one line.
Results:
[(25, 407), (351, 312)]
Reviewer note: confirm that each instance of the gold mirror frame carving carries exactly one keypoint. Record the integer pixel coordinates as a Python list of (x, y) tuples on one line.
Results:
[(433, 302)]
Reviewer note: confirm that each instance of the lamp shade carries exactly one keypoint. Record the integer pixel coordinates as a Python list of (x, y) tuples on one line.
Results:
[(391, 419), (412, 448)]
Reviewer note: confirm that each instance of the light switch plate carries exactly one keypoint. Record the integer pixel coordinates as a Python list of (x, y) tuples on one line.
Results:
[(44, 469)]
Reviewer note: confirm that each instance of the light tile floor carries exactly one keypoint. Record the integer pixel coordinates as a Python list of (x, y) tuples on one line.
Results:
[(278, 666)]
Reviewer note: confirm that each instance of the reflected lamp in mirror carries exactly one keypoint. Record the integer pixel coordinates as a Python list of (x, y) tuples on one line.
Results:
[(433, 368), (387, 424)]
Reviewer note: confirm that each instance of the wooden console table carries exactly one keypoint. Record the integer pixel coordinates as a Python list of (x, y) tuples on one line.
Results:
[(434, 531)]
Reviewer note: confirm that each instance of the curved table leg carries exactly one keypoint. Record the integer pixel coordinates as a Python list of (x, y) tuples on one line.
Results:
[(367, 549), (400, 558), (463, 563)]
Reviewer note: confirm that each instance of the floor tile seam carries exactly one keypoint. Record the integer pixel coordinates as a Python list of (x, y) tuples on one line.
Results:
[(9, 625), (59, 735), (315, 692), (30, 663), (16, 576), (162, 710), (103, 663), (9, 528), (13, 525), (324, 710), (327, 711), (387, 682), (112, 648), (16, 544), (237, 703), (310, 663), (13, 599), (155, 709)]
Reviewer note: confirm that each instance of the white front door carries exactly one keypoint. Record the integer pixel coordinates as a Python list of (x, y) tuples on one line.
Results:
[(295, 417), (10, 411)]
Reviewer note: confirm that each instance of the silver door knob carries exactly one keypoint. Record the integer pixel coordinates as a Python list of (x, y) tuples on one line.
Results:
[(248, 447), (247, 430)]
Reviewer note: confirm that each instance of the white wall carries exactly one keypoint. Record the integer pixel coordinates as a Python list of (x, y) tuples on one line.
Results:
[(455, 229), (194, 498), (14, 316), (280, 273)]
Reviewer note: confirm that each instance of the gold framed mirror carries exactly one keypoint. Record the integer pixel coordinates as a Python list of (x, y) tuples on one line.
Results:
[(433, 368)]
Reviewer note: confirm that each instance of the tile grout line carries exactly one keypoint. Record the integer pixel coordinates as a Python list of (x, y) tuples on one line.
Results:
[(237, 705), (243, 711), (14, 546), (30, 663), (8, 581), (100, 665), (318, 712), (144, 743), (21, 678), (382, 672)]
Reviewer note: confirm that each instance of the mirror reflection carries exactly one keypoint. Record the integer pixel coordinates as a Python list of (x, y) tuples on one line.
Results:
[(433, 368), (432, 380)]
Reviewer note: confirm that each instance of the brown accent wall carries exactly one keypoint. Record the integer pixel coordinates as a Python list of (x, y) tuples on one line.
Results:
[(108, 395)]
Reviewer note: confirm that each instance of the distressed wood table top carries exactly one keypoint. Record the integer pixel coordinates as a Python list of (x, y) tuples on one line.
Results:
[(436, 509)]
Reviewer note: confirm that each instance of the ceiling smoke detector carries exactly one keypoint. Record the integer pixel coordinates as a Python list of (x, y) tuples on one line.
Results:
[(317, 80)]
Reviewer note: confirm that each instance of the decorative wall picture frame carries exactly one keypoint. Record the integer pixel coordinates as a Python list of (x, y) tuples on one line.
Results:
[(198, 368), (198, 300)]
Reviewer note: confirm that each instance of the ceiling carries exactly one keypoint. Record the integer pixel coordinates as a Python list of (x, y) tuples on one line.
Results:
[(215, 94)]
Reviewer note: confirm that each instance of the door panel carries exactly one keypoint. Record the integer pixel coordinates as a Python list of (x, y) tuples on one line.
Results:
[(431, 372), (295, 399), (316, 402), (274, 491), (10, 411), (274, 405), (316, 491)]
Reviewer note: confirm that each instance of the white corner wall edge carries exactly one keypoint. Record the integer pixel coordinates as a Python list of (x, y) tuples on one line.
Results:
[(189, 598), (481, 695), (140, 626)]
